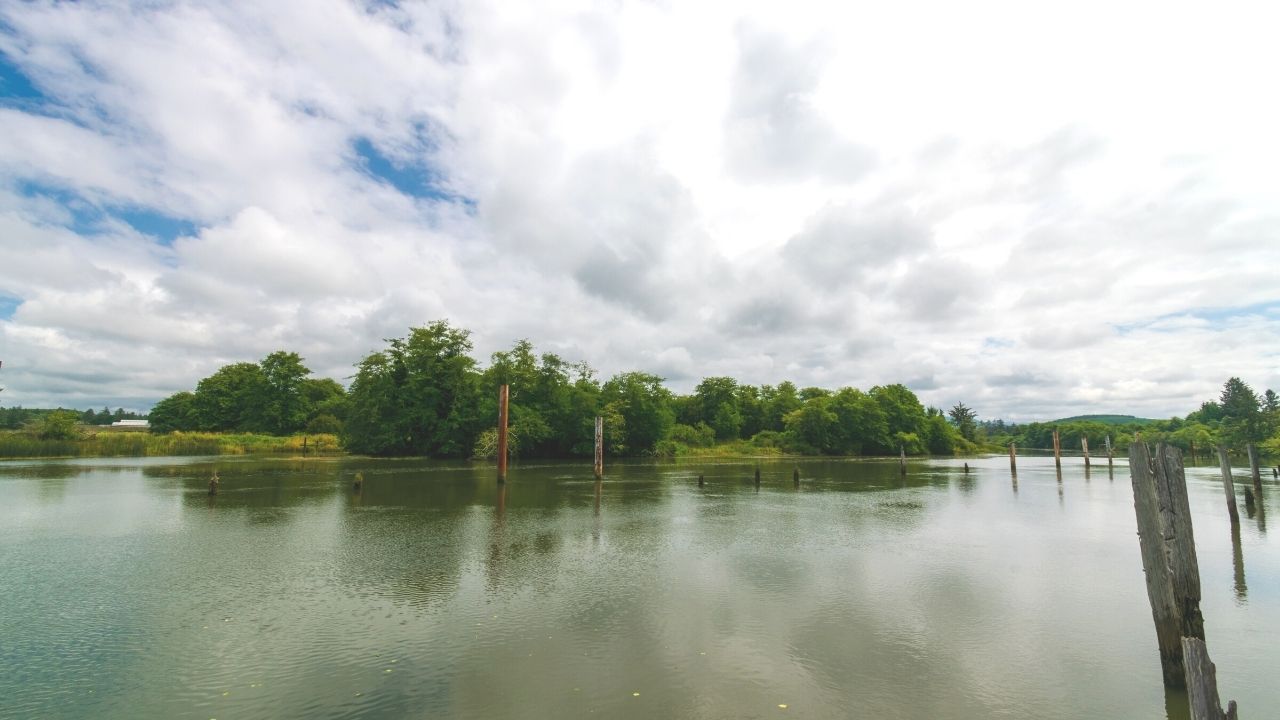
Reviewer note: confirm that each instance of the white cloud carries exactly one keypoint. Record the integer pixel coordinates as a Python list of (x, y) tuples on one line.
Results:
[(1037, 210)]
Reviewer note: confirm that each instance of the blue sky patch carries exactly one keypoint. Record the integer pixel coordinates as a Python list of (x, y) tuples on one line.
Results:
[(8, 306), (15, 85), (87, 218), (158, 225), (415, 179), (1213, 315)]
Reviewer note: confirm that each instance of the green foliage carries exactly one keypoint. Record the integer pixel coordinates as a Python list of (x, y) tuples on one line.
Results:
[(965, 420), (324, 424), (644, 407), (133, 444), (420, 396), (1242, 417), (700, 435), (57, 425), (281, 406), (717, 400), (176, 412)]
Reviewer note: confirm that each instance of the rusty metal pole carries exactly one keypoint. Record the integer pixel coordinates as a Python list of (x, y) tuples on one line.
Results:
[(599, 447), (502, 434)]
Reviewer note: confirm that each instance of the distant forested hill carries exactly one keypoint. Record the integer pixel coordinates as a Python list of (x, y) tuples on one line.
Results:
[(1107, 419)]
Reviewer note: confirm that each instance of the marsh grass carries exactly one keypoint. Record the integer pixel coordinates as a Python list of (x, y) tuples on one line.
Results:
[(138, 444)]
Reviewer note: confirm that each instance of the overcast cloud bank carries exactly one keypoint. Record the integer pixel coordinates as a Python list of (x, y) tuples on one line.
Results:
[(1038, 213)]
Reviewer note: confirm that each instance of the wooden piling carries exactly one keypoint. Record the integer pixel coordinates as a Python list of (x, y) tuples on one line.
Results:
[(966, 468), (1224, 463), (700, 480), (1057, 449), (503, 394), (358, 483), (1168, 553), (1111, 453), (757, 476), (1013, 460), (795, 477), (1253, 468), (599, 466), (1084, 447), (213, 483), (1202, 683), (902, 460)]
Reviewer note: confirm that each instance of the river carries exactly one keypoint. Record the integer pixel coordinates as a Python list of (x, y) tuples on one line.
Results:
[(128, 592)]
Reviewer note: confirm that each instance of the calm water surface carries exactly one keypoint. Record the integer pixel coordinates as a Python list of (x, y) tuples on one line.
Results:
[(127, 592)]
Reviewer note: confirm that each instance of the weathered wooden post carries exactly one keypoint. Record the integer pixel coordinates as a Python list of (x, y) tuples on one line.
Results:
[(1202, 683), (1084, 446), (1228, 485), (1057, 449), (1168, 553), (358, 484), (795, 477), (1253, 468), (966, 468), (503, 394), (1111, 454), (213, 482), (1237, 563), (757, 476), (1013, 460), (599, 467), (902, 460)]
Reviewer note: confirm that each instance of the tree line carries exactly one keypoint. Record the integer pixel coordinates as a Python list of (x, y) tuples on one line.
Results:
[(1237, 417), (425, 394), (15, 418)]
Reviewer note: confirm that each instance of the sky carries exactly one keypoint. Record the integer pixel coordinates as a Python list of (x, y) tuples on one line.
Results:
[(1037, 209)]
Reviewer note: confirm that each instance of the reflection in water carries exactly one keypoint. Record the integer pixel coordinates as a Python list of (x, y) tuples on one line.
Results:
[(434, 591), (1177, 706), (1237, 561)]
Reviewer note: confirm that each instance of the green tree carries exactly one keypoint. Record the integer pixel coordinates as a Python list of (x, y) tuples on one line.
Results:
[(778, 403), (418, 397), (229, 399), (57, 425), (176, 412), (902, 411), (281, 406), (1242, 420), (717, 399), (644, 407), (965, 420)]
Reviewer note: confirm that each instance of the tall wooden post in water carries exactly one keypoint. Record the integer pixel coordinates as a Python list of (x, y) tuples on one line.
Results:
[(1057, 449), (599, 447), (1013, 460), (902, 460), (1253, 468), (1168, 553), (502, 433), (1084, 445), (1224, 463), (1111, 455)]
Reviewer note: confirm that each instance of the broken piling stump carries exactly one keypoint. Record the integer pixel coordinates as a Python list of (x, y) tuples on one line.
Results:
[(1168, 552)]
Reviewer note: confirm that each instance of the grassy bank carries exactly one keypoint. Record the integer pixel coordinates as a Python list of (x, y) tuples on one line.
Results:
[(138, 444)]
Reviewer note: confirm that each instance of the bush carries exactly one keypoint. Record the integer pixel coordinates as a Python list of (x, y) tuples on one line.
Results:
[(57, 425)]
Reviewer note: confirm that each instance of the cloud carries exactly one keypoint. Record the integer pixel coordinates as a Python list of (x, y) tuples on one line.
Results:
[(772, 131), (802, 192)]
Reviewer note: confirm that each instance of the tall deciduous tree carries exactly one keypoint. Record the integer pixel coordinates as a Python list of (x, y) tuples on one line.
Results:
[(644, 407), (418, 397)]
